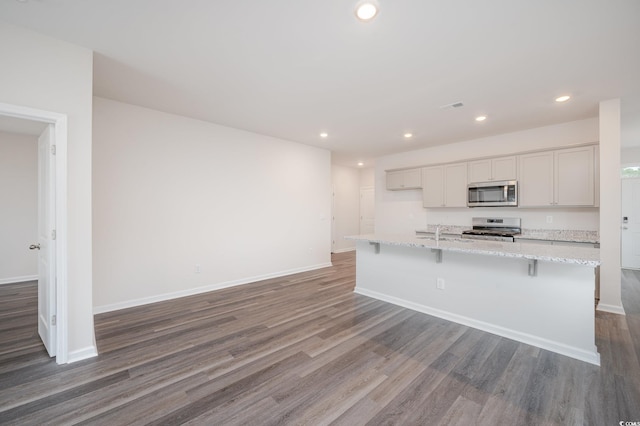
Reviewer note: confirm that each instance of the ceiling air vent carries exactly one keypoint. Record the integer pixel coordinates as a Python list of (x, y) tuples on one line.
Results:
[(458, 104)]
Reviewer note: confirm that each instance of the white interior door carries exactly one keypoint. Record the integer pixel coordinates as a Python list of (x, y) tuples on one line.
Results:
[(367, 210), (333, 219), (631, 223), (46, 243)]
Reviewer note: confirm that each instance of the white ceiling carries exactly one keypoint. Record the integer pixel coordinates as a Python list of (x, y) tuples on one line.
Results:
[(294, 68)]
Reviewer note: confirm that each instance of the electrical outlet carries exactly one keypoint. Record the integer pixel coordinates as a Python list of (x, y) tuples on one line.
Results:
[(549, 219), (197, 269), (440, 283)]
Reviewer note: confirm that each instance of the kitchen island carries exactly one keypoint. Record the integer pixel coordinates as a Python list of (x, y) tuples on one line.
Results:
[(536, 294)]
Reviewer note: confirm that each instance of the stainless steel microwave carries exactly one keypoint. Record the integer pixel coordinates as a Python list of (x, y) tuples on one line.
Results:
[(492, 194)]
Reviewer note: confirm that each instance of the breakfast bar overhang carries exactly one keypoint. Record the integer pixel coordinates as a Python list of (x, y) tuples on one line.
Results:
[(539, 295)]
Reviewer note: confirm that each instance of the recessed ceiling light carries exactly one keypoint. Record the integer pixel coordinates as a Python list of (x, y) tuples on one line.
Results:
[(564, 98), (360, 164), (408, 135), (324, 135), (481, 118), (366, 11)]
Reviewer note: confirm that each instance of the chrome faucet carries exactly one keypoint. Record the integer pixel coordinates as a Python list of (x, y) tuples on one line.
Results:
[(437, 233)]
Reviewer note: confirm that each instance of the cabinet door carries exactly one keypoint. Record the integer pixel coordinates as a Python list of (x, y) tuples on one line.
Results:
[(504, 168), (529, 241), (573, 244), (404, 179), (432, 187), (455, 185), (479, 171), (395, 180), (536, 180), (574, 177), (413, 179)]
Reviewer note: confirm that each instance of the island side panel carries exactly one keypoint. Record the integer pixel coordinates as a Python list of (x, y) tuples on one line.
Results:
[(554, 310)]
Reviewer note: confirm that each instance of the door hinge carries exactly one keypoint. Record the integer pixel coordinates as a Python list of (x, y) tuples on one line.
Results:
[(53, 149), (53, 234), (53, 320)]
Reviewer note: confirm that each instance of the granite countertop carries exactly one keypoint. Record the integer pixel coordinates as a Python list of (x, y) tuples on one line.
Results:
[(444, 229), (572, 236), (587, 256)]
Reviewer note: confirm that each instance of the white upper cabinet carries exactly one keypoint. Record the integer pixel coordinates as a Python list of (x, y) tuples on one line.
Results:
[(564, 177), (413, 178), (455, 184), (502, 168), (575, 177), (404, 179), (395, 180), (480, 171), (433, 186), (535, 186), (445, 186)]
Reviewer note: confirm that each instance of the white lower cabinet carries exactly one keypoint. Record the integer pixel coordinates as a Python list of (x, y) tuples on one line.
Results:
[(445, 186), (532, 241), (555, 242)]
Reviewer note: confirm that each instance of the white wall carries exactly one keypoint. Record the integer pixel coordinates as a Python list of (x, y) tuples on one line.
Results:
[(172, 192), (610, 207), (402, 211), (44, 73), (630, 125), (630, 156), (367, 177), (19, 207), (346, 206)]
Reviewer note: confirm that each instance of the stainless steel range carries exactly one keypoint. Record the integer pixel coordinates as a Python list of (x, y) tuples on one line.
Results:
[(493, 228)]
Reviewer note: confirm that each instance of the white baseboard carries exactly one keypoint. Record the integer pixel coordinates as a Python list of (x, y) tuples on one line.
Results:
[(80, 354), (570, 351), (22, 279), (614, 309), (344, 250), (204, 289)]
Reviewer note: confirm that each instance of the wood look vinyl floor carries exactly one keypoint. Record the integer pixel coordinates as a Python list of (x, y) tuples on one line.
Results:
[(304, 349)]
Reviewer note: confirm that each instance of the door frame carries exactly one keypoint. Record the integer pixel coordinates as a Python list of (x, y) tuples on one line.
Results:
[(333, 218), (365, 188), (58, 285), (622, 198)]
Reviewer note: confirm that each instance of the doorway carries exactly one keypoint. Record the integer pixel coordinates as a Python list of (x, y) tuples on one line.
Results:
[(52, 218), (367, 210), (631, 223)]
